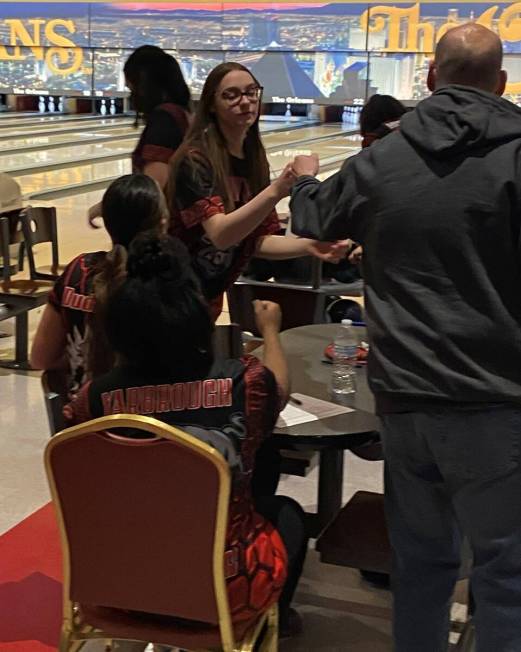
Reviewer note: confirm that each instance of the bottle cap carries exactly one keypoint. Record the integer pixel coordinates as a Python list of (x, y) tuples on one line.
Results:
[(347, 322)]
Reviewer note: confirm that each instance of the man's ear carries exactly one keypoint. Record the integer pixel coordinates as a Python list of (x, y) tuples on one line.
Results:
[(432, 76), (501, 83)]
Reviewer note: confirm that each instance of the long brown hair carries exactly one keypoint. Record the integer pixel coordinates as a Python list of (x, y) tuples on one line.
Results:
[(131, 205), (205, 142)]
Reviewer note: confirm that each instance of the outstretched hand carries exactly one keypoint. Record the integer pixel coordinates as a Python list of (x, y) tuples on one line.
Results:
[(355, 257), (306, 165), (93, 214), (330, 252), (285, 181)]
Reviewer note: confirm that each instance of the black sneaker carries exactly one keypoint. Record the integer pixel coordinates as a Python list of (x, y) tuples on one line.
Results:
[(290, 624), (378, 580)]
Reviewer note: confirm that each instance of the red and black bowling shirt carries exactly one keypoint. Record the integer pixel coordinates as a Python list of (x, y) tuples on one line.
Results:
[(72, 297), (164, 132), (233, 409), (197, 199)]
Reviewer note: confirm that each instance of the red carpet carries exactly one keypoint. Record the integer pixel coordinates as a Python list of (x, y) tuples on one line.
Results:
[(30, 584)]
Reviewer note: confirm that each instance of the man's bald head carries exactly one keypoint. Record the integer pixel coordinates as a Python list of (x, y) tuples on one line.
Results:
[(470, 55)]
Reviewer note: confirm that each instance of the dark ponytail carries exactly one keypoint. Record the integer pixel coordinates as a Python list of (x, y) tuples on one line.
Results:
[(157, 320), (112, 272), (132, 204)]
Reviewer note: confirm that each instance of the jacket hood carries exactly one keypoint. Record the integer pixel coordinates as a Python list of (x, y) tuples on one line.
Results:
[(456, 119)]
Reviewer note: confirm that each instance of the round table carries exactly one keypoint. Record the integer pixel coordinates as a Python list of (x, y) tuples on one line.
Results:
[(304, 347)]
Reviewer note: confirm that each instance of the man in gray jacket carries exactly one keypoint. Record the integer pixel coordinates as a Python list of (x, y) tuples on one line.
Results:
[(437, 208)]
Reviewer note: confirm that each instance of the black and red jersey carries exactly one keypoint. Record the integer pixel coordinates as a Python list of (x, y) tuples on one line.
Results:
[(233, 409), (164, 132), (72, 297), (197, 199)]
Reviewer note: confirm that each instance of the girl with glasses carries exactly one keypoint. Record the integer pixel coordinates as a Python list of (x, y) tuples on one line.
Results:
[(221, 200)]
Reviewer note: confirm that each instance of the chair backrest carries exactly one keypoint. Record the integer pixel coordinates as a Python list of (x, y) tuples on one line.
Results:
[(227, 342), (54, 386), (11, 233), (4, 248), (39, 226), (300, 306), (143, 520)]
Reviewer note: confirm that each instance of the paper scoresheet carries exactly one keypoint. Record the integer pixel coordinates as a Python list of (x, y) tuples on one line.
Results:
[(312, 409)]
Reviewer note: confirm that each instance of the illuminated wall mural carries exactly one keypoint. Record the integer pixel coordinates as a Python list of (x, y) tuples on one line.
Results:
[(324, 52)]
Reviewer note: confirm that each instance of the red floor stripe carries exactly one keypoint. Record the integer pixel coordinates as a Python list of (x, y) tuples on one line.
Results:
[(30, 584)]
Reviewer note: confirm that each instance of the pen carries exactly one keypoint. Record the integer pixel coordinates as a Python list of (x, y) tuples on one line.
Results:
[(295, 401)]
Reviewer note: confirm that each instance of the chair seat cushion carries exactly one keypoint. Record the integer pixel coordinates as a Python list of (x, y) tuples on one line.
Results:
[(158, 629)]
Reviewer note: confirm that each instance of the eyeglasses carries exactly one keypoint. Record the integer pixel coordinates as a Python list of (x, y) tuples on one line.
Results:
[(234, 95)]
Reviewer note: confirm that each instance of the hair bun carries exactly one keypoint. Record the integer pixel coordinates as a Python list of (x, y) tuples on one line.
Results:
[(150, 258)]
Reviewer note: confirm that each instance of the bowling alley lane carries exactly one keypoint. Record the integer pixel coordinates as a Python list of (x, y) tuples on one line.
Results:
[(14, 138), (22, 161), (334, 149), (39, 119), (15, 131), (51, 150), (72, 176), (87, 134), (61, 139)]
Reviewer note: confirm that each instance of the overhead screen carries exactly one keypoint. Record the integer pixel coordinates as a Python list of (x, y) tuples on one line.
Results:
[(321, 52)]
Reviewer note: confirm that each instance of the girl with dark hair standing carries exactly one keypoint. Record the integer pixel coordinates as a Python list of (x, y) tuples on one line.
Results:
[(161, 99), (380, 116), (133, 203), (231, 404), (222, 204)]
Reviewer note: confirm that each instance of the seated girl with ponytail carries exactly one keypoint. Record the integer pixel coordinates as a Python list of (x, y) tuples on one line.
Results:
[(232, 404), (133, 203)]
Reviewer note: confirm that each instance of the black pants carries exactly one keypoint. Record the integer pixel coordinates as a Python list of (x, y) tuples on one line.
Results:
[(266, 472), (288, 517), (284, 513)]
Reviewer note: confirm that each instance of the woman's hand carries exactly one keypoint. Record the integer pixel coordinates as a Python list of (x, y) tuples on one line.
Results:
[(268, 316), (330, 252), (284, 183), (355, 257), (93, 214)]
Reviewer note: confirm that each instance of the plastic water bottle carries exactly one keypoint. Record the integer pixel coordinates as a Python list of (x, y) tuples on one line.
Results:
[(343, 379)]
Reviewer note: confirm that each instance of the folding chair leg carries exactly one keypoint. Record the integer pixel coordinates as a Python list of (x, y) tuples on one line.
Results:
[(21, 256), (21, 344)]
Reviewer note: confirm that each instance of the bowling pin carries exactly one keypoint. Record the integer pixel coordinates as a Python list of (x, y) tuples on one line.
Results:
[(288, 111), (41, 104), (52, 106), (112, 109), (345, 115), (60, 104), (103, 108)]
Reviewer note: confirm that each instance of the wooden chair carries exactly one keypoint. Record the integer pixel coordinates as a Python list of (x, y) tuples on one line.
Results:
[(20, 295), (39, 227), (11, 234), (17, 298), (143, 528)]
